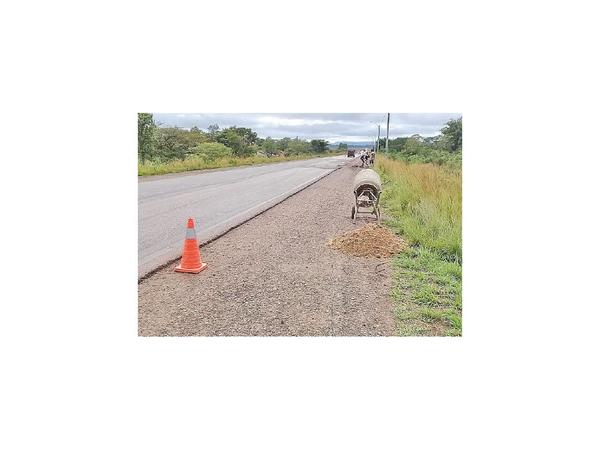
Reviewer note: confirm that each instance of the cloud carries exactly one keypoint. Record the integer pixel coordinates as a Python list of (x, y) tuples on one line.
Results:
[(333, 127)]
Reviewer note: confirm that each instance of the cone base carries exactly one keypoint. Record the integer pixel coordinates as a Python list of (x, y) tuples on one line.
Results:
[(195, 270)]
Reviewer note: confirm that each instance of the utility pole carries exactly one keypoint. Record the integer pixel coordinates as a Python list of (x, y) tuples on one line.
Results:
[(378, 130), (387, 134)]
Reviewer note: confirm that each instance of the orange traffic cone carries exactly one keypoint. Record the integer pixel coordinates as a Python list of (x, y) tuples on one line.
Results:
[(191, 262)]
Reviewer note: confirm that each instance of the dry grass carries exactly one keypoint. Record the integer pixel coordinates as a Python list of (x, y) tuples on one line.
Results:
[(425, 201)]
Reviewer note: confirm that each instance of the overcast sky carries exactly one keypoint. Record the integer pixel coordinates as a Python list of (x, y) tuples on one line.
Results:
[(329, 126)]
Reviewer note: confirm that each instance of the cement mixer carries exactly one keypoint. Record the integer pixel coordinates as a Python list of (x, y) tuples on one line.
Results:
[(367, 190)]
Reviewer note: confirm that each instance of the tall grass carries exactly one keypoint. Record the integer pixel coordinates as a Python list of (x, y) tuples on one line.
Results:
[(197, 163), (425, 201), (424, 205)]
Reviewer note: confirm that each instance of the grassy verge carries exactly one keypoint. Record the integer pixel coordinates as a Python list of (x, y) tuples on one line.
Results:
[(424, 205), (197, 163)]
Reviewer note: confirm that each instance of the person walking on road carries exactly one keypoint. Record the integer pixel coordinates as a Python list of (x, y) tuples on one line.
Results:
[(363, 158)]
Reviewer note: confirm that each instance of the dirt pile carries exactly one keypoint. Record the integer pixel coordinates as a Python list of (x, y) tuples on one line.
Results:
[(370, 240)]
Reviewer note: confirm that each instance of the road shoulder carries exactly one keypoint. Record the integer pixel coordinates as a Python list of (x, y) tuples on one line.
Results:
[(275, 275)]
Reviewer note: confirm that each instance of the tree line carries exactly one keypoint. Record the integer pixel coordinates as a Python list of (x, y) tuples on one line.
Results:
[(157, 143), (442, 148)]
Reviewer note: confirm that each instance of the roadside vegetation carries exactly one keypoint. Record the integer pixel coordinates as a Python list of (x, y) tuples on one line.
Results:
[(442, 149), (422, 196), (169, 149), (198, 163)]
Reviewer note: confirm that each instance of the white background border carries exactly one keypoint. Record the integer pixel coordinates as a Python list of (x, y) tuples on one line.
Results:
[(75, 374)]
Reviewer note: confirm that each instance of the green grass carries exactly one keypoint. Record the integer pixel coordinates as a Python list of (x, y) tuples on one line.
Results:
[(427, 294), (424, 206), (197, 163)]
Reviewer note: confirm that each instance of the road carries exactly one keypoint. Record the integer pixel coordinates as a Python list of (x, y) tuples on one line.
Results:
[(217, 200)]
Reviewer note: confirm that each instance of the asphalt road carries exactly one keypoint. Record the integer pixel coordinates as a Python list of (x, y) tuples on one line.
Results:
[(217, 200)]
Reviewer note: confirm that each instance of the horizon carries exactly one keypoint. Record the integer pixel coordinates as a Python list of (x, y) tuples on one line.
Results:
[(347, 128)]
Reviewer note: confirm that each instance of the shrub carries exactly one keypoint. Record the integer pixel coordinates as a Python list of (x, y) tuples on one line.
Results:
[(210, 151)]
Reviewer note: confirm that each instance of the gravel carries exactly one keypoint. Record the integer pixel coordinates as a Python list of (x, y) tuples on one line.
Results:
[(372, 240), (276, 275)]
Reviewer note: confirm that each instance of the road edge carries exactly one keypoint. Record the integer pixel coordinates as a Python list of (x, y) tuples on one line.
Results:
[(145, 178), (214, 238)]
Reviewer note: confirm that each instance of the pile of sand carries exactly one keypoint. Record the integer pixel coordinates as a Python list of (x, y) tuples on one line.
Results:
[(370, 240)]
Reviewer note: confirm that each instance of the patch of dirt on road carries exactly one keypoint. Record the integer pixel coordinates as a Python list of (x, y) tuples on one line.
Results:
[(370, 240), (276, 275)]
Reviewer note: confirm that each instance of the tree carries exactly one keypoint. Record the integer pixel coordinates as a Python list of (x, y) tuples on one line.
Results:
[(397, 145), (318, 145), (250, 137), (297, 147), (284, 144), (212, 131), (146, 132), (234, 141), (453, 133), (269, 146), (197, 136), (342, 146), (413, 145), (172, 143)]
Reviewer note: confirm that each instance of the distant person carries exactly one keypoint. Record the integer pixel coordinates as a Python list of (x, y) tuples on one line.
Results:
[(363, 158)]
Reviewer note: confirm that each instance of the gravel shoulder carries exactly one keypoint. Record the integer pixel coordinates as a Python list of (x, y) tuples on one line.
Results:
[(276, 275)]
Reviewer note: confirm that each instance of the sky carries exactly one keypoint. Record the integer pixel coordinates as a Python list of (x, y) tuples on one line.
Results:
[(333, 127)]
